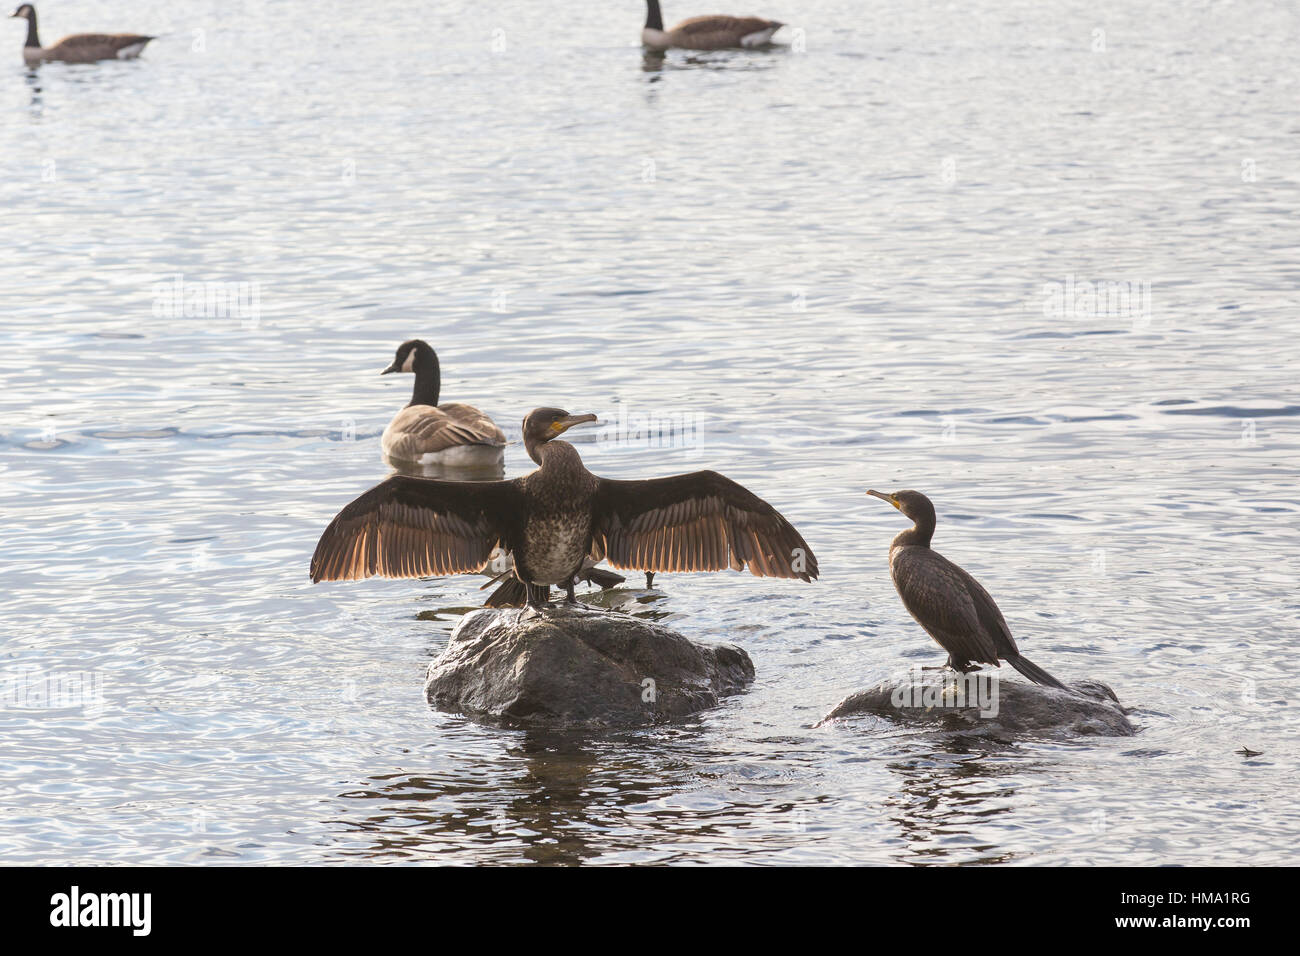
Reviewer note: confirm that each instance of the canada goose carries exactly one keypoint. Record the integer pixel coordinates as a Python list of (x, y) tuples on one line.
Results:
[(80, 47), (706, 33), (429, 433)]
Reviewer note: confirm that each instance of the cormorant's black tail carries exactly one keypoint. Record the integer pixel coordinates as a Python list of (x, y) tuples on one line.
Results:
[(511, 593), (1033, 671), (601, 578)]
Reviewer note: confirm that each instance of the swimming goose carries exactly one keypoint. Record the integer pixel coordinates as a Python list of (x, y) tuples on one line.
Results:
[(80, 47), (706, 33), (429, 433)]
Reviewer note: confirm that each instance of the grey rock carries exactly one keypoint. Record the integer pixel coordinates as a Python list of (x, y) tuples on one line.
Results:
[(982, 700), (576, 668)]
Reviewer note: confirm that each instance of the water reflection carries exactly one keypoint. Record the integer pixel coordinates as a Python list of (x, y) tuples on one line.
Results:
[(838, 315), (555, 809), (32, 78), (494, 472), (945, 795), (757, 58), (573, 798)]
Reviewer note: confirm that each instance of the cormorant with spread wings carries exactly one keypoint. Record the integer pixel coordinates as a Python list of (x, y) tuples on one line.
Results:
[(554, 519)]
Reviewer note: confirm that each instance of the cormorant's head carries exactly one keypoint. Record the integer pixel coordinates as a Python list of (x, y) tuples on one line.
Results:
[(543, 424), (410, 355), (25, 12), (912, 503)]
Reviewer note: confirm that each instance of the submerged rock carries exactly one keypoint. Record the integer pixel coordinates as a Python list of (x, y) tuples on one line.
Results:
[(981, 699), (575, 668)]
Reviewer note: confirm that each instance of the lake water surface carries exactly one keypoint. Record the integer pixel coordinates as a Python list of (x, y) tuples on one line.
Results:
[(840, 264)]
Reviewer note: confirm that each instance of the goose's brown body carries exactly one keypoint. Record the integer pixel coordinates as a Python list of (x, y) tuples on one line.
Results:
[(451, 433), (707, 32)]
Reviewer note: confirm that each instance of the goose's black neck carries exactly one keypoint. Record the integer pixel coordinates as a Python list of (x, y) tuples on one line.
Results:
[(654, 20), (428, 378), (32, 39)]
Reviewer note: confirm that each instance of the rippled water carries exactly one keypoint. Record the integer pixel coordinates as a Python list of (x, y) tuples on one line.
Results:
[(832, 259)]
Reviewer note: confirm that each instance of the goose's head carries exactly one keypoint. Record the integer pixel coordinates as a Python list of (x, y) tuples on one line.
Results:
[(25, 12), (412, 355)]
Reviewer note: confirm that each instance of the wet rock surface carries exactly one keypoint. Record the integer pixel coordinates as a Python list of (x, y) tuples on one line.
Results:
[(578, 668), (982, 699)]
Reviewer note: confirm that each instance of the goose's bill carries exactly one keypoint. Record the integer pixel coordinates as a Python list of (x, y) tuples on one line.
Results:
[(564, 424), (392, 368), (884, 497)]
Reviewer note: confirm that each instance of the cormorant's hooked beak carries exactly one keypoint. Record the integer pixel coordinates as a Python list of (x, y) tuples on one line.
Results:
[(561, 425), (392, 368), (884, 497)]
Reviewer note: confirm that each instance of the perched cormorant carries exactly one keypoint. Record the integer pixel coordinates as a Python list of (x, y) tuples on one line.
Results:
[(552, 519), (433, 434), (945, 600), (705, 33)]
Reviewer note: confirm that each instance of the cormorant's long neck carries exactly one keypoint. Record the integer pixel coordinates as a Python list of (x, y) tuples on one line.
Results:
[(32, 38), (553, 455), (428, 382), (654, 20), (534, 450), (919, 534)]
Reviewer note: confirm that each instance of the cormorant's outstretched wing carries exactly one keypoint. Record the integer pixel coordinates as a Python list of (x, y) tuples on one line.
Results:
[(409, 527), (952, 606), (697, 522)]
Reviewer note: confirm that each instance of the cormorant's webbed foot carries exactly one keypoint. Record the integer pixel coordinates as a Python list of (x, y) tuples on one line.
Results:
[(538, 596)]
